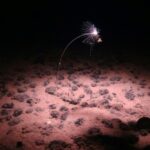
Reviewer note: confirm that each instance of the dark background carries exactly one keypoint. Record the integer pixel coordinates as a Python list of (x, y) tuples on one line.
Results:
[(30, 26)]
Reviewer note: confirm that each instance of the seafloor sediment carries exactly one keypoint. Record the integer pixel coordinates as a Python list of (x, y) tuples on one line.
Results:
[(87, 106)]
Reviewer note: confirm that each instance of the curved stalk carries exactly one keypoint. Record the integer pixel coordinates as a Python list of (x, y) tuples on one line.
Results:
[(91, 49), (67, 46)]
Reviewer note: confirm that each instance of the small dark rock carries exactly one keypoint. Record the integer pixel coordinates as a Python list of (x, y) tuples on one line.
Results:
[(39, 109), (143, 123), (148, 93), (8, 105), (22, 89), (29, 110), (94, 131), (52, 106), (39, 142), (115, 78), (30, 101), (46, 129), (17, 112), (84, 104), (81, 142), (10, 93), (130, 111), (58, 145), (8, 118), (132, 125), (54, 114), (26, 130), (72, 77), (117, 107), (87, 90), (123, 126), (130, 95), (95, 75), (17, 83), (107, 123), (74, 108), (92, 105), (50, 90), (46, 82), (93, 85), (75, 82), (74, 88), (60, 77), (60, 126), (144, 132), (74, 102), (4, 112), (14, 121), (64, 116), (79, 122), (107, 106), (63, 108), (104, 102), (142, 83), (103, 91), (19, 144), (81, 96), (21, 97), (32, 85), (138, 106), (27, 81)]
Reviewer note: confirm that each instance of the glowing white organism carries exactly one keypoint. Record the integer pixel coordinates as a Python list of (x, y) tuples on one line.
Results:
[(94, 32), (91, 34)]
